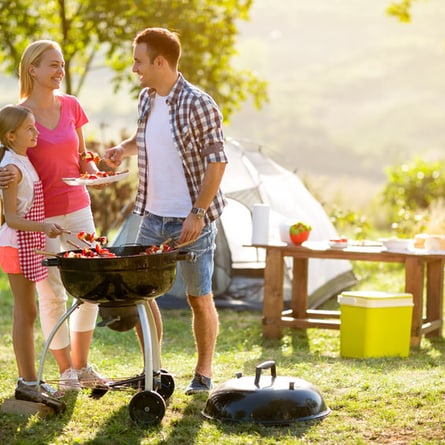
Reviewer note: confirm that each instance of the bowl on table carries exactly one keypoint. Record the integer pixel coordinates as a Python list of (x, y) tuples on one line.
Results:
[(338, 243), (397, 244)]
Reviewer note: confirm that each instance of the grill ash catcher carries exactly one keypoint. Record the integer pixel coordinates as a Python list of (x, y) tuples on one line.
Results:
[(121, 286)]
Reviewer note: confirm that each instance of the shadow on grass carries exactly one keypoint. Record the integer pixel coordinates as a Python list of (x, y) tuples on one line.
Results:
[(121, 429), (295, 429), (431, 353), (25, 430)]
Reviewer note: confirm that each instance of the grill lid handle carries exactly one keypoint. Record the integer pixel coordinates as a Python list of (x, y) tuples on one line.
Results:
[(265, 365)]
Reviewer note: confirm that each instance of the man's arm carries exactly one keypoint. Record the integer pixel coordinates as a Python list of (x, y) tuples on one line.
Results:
[(193, 225), (114, 155)]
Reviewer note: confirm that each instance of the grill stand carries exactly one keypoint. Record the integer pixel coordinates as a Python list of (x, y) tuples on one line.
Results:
[(147, 406)]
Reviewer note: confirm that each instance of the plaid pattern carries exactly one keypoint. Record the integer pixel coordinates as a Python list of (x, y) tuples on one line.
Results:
[(196, 126), (30, 263)]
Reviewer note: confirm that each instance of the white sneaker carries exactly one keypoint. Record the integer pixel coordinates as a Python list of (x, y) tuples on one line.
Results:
[(69, 380), (89, 377)]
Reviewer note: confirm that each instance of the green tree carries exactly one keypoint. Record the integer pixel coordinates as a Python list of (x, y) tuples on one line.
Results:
[(92, 29), (410, 192)]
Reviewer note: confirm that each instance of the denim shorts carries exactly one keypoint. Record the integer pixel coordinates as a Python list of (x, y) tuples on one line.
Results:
[(197, 276)]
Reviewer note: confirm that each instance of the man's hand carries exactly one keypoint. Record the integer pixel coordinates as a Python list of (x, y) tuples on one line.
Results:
[(113, 156), (191, 229)]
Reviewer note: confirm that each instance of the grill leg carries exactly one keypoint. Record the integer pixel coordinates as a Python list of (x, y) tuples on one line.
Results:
[(151, 346), (74, 306)]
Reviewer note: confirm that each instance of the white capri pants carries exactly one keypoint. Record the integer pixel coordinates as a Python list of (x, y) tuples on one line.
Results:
[(51, 292)]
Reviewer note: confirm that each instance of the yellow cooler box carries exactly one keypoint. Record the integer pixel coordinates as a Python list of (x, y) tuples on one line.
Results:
[(375, 324)]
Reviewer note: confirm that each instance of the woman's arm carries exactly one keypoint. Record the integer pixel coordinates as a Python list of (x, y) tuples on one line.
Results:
[(6, 177), (85, 167)]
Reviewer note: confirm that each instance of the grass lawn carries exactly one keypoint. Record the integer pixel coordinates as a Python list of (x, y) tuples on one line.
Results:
[(379, 400)]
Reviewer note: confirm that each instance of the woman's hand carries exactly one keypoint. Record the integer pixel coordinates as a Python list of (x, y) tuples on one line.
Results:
[(6, 177)]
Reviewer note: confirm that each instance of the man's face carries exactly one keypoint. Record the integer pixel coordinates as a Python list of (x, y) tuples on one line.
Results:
[(143, 66)]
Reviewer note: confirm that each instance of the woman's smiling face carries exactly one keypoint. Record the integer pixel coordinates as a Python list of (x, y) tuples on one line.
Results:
[(50, 70)]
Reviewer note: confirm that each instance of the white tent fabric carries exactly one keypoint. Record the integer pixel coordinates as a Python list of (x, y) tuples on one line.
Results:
[(251, 178)]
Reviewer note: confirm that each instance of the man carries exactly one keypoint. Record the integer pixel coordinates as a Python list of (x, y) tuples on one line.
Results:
[(181, 158)]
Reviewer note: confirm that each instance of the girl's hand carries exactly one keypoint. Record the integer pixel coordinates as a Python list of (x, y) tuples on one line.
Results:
[(54, 230)]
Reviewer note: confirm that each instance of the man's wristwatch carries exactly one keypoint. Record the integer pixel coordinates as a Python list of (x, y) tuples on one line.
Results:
[(199, 213)]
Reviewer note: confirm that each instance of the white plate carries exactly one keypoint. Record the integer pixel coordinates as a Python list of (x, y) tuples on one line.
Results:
[(107, 180)]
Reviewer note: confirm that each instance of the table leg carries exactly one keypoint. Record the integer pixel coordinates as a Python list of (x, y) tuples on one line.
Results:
[(299, 287), (273, 293), (414, 278), (434, 296)]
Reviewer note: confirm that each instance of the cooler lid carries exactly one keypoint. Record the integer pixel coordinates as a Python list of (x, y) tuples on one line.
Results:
[(375, 299)]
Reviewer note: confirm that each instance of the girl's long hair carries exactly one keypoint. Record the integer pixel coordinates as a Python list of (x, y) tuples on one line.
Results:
[(11, 117)]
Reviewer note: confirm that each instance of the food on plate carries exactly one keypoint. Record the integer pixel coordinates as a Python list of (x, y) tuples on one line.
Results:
[(91, 237), (299, 232), (90, 156), (429, 242), (97, 175), (419, 240)]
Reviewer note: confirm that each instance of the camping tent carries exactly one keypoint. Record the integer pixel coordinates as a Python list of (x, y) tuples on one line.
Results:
[(250, 178)]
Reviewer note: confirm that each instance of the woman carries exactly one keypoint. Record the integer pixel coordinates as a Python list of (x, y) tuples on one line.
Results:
[(58, 154)]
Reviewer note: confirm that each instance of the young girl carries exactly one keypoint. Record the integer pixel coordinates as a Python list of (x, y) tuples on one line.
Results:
[(22, 233)]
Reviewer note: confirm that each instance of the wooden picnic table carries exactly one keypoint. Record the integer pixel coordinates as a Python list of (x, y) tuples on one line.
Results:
[(424, 273)]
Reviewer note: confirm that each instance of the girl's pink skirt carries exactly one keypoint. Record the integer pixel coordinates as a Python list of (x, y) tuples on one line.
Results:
[(9, 259)]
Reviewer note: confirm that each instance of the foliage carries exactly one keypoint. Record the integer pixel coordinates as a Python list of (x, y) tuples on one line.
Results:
[(411, 190), (88, 30), (401, 10), (350, 223)]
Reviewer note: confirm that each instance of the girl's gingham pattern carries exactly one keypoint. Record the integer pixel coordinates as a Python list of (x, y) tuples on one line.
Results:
[(28, 242)]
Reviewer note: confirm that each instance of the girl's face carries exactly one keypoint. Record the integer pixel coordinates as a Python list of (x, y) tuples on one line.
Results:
[(50, 71), (24, 136)]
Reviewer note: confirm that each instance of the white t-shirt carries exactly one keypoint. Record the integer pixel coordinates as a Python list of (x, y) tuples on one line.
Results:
[(168, 194), (25, 193)]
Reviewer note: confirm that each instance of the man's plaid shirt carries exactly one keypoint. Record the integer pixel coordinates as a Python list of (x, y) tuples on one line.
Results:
[(196, 126)]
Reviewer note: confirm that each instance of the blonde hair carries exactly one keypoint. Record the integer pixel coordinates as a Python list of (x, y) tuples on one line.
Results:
[(32, 56), (11, 117)]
